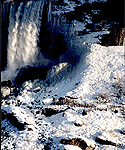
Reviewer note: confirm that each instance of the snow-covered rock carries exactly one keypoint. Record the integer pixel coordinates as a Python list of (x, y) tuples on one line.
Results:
[(5, 91), (78, 123), (112, 138)]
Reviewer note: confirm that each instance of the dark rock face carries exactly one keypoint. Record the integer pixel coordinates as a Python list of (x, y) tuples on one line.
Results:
[(114, 38), (111, 7), (5, 9), (107, 11), (102, 13), (108, 139), (52, 44), (30, 73), (65, 101), (6, 83)]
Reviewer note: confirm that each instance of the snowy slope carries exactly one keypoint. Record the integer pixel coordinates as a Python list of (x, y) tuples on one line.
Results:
[(103, 68)]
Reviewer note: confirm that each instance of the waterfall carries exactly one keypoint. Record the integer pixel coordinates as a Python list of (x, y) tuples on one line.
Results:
[(24, 27), (39, 38)]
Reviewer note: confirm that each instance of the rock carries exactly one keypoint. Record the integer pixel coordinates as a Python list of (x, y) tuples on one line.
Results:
[(70, 101), (4, 135), (64, 101), (48, 112), (103, 98), (84, 113), (52, 44), (84, 144), (38, 112), (100, 140), (75, 141), (5, 91), (111, 138), (13, 120), (36, 89), (6, 83), (27, 85), (18, 103), (114, 38), (123, 132), (14, 90), (89, 148), (78, 123), (116, 111), (30, 73), (30, 129)]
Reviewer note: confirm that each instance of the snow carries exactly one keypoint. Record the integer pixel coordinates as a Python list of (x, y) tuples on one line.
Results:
[(95, 81), (69, 147), (104, 66)]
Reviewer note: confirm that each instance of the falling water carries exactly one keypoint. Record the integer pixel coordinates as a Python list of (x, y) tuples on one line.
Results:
[(24, 28), (23, 31)]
